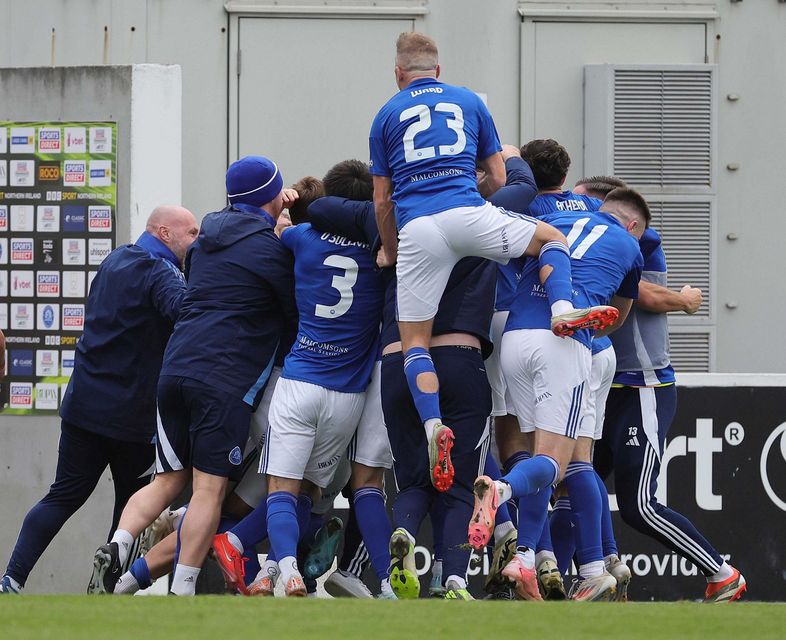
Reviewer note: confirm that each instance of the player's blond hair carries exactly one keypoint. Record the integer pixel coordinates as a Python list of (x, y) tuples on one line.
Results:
[(416, 52)]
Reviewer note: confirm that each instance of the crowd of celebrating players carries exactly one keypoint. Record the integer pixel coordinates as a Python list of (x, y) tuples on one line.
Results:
[(401, 315)]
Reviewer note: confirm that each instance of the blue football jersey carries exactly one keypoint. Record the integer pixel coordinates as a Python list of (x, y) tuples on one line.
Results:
[(605, 260), (339, 298), (546, 203), (427, 139)]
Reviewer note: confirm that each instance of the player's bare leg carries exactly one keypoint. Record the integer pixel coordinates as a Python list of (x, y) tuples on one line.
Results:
[(424, 386)]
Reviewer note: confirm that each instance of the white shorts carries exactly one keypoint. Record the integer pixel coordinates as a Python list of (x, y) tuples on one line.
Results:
[(259, 418), (547, 379), (310, 428), (336, 486), (501, 402), (252, 488), (430, 246), (370, 445), (604, 365)]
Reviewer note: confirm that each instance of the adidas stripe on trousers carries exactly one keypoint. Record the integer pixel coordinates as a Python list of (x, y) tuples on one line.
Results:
[(634, 431)]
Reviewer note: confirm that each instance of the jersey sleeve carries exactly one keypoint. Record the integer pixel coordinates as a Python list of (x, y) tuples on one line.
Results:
[(291, 235), (352, 219), (167, 288), (377, 149), (629, 287), (520, 188), (488, 140)]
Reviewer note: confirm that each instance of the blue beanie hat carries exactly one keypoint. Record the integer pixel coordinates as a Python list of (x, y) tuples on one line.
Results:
[(253, 180)]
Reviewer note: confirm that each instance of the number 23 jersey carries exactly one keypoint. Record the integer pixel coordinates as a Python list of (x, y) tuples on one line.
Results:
[(427, 139), (339, 298)]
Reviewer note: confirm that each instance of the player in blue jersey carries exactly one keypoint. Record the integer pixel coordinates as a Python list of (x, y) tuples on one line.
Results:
[(425, 144), (547, 378), (320, 397)]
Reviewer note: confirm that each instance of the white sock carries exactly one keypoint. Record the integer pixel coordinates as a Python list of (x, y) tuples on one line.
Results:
[(430, 425), (385, 587), (501, 530), (458, 582), (560, 307), (127, 584), (288, 567), (124, 541), (610, 559), (527, 557), (504, 490), (724, 573), (592, 569), (235, 541), (184, 580), (269, 568), (178, 516), (436, 569), (542, 556)]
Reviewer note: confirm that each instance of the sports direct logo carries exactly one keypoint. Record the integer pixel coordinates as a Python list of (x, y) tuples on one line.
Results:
[(74, 173), (99, 219), (48, 284), (49, 140), (22, 251), (73, 317), (21, 395)]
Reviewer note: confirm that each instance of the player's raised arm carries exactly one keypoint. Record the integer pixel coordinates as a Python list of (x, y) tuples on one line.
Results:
[(658, 299), (495, 174)]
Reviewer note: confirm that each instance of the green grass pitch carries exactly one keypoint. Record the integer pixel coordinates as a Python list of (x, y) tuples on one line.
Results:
[(230, 618)]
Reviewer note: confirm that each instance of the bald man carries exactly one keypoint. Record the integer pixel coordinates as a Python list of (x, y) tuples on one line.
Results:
[(109, 408)]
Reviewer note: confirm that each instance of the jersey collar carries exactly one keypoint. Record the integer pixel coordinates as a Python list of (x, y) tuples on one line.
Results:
[(156, 248), (419, 81)]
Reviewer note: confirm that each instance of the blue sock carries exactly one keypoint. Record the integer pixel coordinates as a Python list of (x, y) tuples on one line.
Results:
[(416, 361), (562, 538), (558, 285), (544, 542), (492, 471), (252, 529), (282, 524), (411, 507), (531, 475), (141, 573), (606, 527), (533, 513), (585, 504), (507, 466), (303, 510), (374, 526)]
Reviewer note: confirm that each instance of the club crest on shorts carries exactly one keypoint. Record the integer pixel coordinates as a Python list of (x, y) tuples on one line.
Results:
[(235, 457)]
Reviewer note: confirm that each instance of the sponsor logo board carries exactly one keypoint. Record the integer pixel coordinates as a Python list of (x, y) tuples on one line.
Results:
[(46, 396), (3, 173), (74, 251), (48, 317), (49, 250), (20, 362), (21, 173), (100, 173), (22, 284), (22, 140), (98, 249), (47, 284), (74, 173), (74, 138), (48, 172), (22, 217), (73, 218), (73, 317), (22, 316), (99, 218), (22, 251), (73, 284), (47, 362), (100, 139), (20, 395), (67, 362), (3, 217), (49, 140), (48, 218), (3, 139)]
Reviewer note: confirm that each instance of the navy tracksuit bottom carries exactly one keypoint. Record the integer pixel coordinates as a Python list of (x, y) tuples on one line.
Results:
[(637, 422), (465, 401), (82, 458)]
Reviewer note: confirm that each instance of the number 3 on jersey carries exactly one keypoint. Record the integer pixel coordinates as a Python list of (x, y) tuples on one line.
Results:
[(343, 284), (423, 122)]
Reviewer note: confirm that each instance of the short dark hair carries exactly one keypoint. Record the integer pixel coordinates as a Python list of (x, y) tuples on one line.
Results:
[(633, 199), (600, 186), (549, 161), (308, 190), (349, 179)]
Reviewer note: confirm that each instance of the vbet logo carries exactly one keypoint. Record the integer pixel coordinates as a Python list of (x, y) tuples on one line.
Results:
[(73, 317), (48, 284), (49, 140), (99, 219), (21, 251), (22, 284), (20, 362), (74, 172), (75, 138), (48, 317), (20, 395)]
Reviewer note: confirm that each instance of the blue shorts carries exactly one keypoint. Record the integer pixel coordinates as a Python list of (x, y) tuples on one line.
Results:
[(201, 427)]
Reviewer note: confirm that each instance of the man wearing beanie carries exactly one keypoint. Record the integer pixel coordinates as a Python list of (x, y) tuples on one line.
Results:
[(239, 304)]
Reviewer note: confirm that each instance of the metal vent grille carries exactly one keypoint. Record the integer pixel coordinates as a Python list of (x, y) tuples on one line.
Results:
[(685, 228), (663, 127), (690, 352)]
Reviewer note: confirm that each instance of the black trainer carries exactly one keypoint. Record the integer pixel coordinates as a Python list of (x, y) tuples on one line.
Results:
[(106, 569)]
